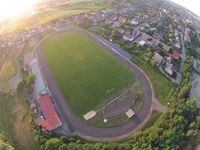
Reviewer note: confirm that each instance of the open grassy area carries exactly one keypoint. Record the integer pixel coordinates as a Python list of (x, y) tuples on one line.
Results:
[(15, 121), (98, 120), (7, 70), (87, 75), (138, 104), (162, 86)]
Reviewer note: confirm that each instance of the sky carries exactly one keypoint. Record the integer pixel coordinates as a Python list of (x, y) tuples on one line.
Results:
[(192, 5), (11, 8)]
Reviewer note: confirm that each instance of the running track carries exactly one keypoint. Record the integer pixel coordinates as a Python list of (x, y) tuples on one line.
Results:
[(81, 128)]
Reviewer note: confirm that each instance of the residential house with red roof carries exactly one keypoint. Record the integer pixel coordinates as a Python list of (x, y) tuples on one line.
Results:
[(176, 55)]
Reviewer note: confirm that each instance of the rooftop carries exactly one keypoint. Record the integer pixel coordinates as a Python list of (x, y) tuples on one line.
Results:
[(158, 58), (175, 54), (51, 120)]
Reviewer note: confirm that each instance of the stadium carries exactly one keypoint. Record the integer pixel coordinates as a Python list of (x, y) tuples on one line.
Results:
[(94, 86)]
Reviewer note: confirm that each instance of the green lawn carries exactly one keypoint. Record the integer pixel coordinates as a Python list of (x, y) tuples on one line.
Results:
[(162, 86), (87, 75), (98, 120), (8, 70), (138, 104)]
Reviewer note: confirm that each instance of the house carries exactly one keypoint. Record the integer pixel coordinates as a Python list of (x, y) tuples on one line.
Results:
[(122, 20), (176, 55), (116, 24), (158, 35), (165, 47), (97, 18), (120, 30), (176, 33), (152, 29), (141, 43), (129, 37), (198, 50), (32, 104), (49, 120), (113, 18), (134, 22), (150, 41), (157, 58), (108, 22), (77, 20), (169, 69), (106, 11), (186, 37), (177, 44)]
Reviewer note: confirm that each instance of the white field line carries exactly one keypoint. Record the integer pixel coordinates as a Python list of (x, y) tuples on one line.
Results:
[(112, 101)]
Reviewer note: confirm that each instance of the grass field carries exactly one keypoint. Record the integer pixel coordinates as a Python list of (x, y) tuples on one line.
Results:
[(87, 75), (15, 121), (98, 120), (7, 70), (122, 119), (162, 86)]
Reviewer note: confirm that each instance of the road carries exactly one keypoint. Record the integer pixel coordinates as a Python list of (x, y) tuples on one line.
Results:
[(80, 127), (179, 75), (195, 80)]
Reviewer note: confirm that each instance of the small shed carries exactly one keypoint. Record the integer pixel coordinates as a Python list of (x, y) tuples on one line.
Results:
[(130, 113), (89, 115)]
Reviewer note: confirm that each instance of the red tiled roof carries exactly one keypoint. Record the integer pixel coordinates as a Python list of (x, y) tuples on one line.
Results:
[(175, 54), (51, 119)]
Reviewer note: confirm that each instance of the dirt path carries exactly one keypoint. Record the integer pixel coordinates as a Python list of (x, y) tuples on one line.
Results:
[(156, 105), (82, 128)]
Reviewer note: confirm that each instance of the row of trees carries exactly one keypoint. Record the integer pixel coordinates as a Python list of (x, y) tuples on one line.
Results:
[(27, 80)]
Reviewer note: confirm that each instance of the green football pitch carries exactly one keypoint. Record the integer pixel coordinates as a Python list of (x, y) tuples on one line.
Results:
[(86, 74)]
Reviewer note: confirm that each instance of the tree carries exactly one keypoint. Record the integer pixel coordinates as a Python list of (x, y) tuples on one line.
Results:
[(115, 35), (26, 82), (86, 23), (52, 144), (4, 144), (30, 79), (63, 147)]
